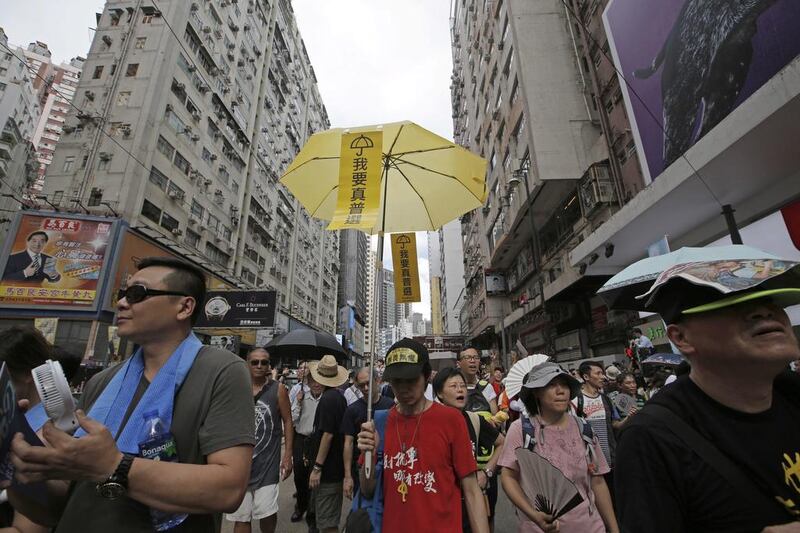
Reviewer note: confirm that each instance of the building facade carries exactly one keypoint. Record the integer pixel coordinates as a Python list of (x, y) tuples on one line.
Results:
[(19, 114), (435, 272), (451, 266), (188, 117), (370, 326), (526, 98), (741, 158), (352, 289), (55, 87)]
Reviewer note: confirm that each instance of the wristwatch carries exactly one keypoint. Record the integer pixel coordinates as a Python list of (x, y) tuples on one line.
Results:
[(117, 483), (216, 308), (489, 472)]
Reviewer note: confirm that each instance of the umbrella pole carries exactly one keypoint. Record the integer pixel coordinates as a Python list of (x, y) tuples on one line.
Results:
[(374, 318)]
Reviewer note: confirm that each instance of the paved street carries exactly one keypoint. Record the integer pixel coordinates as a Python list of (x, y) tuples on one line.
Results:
[(506, 519)]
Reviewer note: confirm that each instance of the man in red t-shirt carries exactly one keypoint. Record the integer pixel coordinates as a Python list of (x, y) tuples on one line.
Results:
[(428, 459)]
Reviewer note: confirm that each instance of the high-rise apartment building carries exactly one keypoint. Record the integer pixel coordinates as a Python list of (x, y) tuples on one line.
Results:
[(55, 87), (190, 111), (370, 328), (387, 308), (525, 99), (451, 266), (352, 289), (19, 114), (435, 272)]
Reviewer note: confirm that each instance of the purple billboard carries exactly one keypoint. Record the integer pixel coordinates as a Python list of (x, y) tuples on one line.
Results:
[(692, 62)]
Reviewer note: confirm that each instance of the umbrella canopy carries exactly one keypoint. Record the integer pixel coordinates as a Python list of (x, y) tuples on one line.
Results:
[(307, 343), (673, 359), (430, 180), (621, 291)]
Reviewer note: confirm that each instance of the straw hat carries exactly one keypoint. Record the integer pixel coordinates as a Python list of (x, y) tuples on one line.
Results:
[(326, 372)]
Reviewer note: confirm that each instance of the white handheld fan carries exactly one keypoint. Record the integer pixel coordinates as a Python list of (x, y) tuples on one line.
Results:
[(53, 389)]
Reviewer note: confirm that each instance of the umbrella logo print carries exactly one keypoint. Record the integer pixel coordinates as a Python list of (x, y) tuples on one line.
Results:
[(360, 143), (402, 240)]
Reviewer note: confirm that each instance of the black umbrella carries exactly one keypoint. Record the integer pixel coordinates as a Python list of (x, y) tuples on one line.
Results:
[(305, 343)]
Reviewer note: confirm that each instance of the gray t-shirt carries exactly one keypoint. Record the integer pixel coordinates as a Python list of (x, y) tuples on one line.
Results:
[(212, 412), (269, 431)]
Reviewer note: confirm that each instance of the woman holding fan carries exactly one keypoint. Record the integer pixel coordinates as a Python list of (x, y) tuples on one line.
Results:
[(552, 464)]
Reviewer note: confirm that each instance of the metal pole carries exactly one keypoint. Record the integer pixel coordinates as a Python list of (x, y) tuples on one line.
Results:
[(730, 220), (375, 308)]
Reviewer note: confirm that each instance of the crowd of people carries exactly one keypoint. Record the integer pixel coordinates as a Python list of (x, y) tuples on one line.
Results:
[(712, 446)]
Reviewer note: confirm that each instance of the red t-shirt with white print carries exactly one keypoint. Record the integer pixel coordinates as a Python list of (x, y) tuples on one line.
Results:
[(432, 466)]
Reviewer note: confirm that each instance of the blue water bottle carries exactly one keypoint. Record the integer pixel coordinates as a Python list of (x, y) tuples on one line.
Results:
[(159, 445)]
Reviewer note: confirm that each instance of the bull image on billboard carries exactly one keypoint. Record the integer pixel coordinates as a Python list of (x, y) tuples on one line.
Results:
[(690, 63)]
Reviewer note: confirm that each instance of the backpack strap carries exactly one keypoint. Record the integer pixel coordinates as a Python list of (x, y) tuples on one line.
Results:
[(709, 453), (579, 410), (587, 435), (475, 420), (528, 433)]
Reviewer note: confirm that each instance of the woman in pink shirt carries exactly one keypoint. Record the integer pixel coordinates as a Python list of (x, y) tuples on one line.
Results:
[(546, 394)]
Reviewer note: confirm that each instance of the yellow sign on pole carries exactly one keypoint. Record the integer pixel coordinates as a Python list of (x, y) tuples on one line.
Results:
[(359, 196), (406, 270)]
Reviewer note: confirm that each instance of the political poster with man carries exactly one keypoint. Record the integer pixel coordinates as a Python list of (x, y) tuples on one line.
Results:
[(55, 261)]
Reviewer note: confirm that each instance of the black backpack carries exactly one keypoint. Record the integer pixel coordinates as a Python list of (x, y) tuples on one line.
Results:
[(476, 401)]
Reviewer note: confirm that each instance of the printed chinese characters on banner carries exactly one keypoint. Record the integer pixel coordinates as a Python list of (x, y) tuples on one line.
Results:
[(404, 257), (359, 196)]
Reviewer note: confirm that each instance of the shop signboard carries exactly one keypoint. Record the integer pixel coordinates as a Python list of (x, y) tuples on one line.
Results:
[(238, 309), (56, 261), (442, 343), (689, 64)]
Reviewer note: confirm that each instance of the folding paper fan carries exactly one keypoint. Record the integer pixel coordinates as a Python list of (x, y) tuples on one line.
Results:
[(548, 489), (518, 372)]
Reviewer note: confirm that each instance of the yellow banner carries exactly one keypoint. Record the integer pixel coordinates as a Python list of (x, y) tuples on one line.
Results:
[(360, 166), (40, 295), (406, 270), (47, 327)]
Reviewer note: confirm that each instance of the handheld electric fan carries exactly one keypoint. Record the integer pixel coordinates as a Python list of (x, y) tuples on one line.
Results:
[(53, 389)]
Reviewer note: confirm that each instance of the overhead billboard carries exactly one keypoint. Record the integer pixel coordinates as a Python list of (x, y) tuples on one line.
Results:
[(56, 261), (238, 309), (689, 63)]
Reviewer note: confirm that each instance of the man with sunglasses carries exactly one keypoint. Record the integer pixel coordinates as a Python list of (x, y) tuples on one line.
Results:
[(271, 407), (354, 416), (97, 482)]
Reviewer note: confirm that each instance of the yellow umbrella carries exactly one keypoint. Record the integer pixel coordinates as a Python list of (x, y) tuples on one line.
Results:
[(425, 182), (427, 179)]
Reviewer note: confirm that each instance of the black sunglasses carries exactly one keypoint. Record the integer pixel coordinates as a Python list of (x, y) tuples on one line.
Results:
[(137, 293), (259, 362)]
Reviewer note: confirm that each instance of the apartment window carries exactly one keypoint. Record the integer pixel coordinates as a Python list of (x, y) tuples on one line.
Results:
[(213, 223), (95, 197), (492, 160), (158, 178), (509, 63), (165, 148), (630, 150), (192, 238), (175, 191), (69, 163), (197, 210), (182, 163), (147, 19), (175, 122), (98, 71), (114, 20), (169, 222), (179, 90), (224, 175), (131, 70), (227, 234), (519, 129), (149, 210), (140, 42), (123, 97), (206, 155), (84, 161)]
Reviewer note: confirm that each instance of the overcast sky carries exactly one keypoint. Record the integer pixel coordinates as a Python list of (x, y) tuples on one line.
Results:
[(375, 60)]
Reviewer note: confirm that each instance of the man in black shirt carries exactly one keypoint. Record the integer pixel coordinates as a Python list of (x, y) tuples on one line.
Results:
[(327, 473), (737, 400), (356, 415)]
